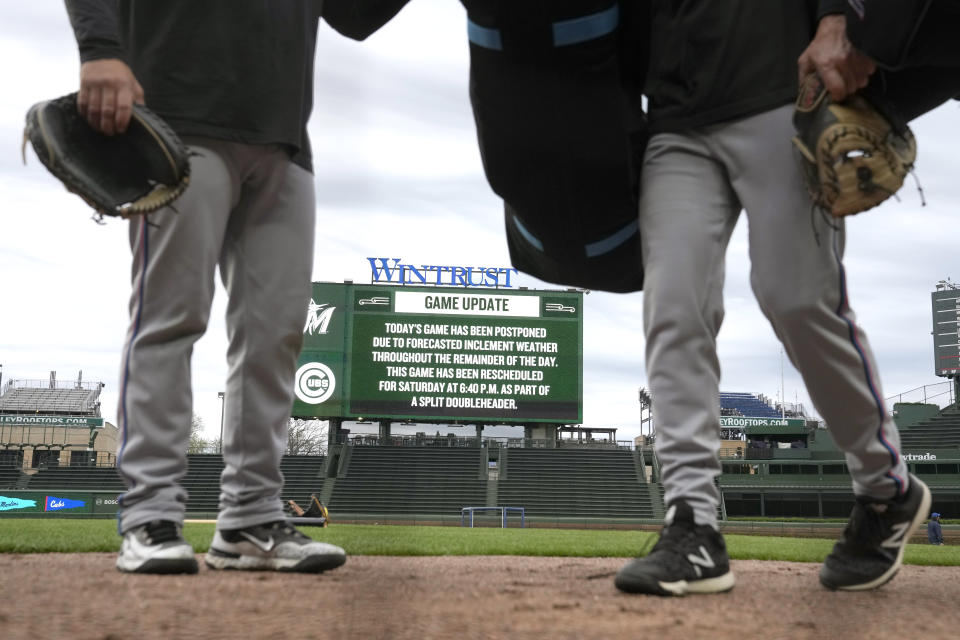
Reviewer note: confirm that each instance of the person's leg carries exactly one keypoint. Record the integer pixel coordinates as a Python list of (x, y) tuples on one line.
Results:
[(687, 214), (175, 255), (266, 265), (798, 277)]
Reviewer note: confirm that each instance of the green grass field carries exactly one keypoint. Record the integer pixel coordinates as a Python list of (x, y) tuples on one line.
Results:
[(81, 536)]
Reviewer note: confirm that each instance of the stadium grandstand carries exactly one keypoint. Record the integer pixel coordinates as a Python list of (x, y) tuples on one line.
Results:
[(50, 423), (789, 466), (757, 405), (776, 462), (51, 398)]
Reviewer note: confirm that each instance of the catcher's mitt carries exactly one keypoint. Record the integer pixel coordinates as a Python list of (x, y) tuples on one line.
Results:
[(127, 174), (853, 156)]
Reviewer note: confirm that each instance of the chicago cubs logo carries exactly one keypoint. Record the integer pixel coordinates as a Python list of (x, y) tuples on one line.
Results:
[(315, 383), (53, 503)]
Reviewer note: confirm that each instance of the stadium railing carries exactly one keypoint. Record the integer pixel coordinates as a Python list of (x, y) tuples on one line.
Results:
[(453, 441)]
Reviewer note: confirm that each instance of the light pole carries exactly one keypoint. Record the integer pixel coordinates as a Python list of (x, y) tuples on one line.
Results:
[(646, 402), (221, 395)]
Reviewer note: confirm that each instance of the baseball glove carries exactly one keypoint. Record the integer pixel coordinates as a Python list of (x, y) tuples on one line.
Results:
[(853, 156), (128, 174)]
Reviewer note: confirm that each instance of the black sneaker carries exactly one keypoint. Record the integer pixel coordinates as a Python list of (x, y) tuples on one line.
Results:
[(688, 558), (275, 546), (156, 547), (871, 550)]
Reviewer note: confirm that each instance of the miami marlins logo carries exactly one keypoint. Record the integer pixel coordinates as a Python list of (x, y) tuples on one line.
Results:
[(318, 318)]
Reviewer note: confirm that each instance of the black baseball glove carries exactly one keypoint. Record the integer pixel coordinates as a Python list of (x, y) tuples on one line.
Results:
[(127, 174)]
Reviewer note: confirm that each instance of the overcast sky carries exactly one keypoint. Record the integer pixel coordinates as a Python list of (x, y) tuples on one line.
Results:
[(398, 175)]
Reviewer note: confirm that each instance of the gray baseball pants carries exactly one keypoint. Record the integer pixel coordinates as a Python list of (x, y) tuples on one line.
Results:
[(250, 211), (694, 186)]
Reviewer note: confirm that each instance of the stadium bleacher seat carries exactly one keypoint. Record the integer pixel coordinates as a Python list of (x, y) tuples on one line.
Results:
[(410, 481), (202, 482), (9, 475), (942, 430), (77, 479), (747, 404), (82, 401), (574, 483)]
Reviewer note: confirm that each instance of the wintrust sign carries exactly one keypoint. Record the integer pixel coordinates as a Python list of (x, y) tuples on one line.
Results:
[(393, 270)]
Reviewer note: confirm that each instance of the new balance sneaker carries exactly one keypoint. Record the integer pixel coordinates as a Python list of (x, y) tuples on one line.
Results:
[(688, 558), (275, 546), (871, 550), (156, 547)]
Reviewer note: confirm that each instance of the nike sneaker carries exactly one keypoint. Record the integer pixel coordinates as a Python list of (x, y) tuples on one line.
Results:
[(871, 550), (275, 546), (688, 558), (156, 547)]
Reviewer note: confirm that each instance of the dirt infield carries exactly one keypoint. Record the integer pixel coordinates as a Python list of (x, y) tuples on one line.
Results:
[(81, 596)]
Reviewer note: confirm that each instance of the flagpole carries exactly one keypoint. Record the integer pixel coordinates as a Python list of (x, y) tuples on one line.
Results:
[(783, 400)]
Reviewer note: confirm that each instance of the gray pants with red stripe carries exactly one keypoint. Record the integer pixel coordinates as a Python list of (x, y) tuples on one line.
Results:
[(694, 186), (250, 211)]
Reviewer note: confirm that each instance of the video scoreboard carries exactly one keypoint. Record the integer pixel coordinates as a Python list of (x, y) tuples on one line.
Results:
[(946, 332), (441, 353)]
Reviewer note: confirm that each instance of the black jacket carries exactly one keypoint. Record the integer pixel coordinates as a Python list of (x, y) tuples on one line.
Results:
[(717, 60), (240, 70)]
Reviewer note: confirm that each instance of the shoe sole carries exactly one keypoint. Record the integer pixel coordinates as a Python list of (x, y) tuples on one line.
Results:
[(224, 561), (719, 584), (161, 566), (888, 575)]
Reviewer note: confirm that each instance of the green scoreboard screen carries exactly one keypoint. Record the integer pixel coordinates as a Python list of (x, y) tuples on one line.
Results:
[(438, 353), (946, 332)]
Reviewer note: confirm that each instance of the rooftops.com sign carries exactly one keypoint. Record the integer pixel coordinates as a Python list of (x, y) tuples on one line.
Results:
[(740, 421), (51, 421)]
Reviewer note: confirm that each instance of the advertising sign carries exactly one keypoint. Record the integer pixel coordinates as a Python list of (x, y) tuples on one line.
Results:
[(15, 503), (32, 501), (741, 421), (50, 421)]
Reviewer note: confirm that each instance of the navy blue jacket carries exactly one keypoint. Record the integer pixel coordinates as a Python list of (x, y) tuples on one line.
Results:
[(934, 532)]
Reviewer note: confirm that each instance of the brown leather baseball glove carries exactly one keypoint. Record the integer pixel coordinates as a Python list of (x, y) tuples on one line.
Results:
[(853, 156)]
